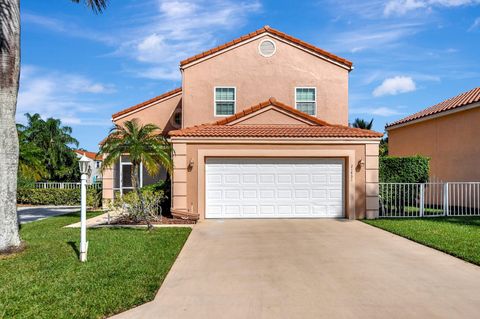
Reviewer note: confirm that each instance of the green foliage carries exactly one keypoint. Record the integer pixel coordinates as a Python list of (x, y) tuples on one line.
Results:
[(138, 208), (58, 196), (125, 268), (45, 150), (383, 148), (162, 186), (30, 158), (142, 143), (361, 123), (413, 169)]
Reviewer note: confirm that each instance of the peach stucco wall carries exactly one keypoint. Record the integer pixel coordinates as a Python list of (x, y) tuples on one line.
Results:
[(258, 78), (159, 113), (451, 141), (363, 191)]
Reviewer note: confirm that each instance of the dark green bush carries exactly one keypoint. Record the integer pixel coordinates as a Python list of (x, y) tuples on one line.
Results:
[(58, 196), (413, 169)]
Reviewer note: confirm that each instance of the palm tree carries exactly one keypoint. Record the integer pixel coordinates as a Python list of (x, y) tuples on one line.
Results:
[(361, 123), (9, 78), (54, 140), (143, 144), (30, 159)]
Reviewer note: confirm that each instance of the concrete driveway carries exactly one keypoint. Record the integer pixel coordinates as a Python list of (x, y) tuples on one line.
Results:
[(31, 214), (311, 269)]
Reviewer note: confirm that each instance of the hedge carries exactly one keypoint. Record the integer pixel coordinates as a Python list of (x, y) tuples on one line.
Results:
[(57, 196), (413, 169)]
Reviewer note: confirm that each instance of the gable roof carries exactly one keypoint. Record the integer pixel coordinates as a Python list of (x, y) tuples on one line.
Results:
[(267, 29), (454, 103), (90, 155), (143, 104), (272, 101), (318, 129)]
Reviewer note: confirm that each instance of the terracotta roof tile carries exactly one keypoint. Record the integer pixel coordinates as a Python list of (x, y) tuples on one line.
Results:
[(155, 99), (90, 155), (280, 34), (458, 101), (269, 131), (318, 128)]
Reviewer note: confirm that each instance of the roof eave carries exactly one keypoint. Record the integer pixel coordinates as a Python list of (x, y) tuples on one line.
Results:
[(330, 57), (433, 116)]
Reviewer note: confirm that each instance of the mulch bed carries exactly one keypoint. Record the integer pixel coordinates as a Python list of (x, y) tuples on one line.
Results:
[(126, 220)]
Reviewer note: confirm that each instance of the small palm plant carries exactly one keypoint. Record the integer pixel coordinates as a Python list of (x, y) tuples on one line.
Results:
[(143, 144), (361, 123)]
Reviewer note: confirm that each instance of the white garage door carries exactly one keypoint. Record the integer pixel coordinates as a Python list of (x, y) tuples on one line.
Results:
[(274, 188)]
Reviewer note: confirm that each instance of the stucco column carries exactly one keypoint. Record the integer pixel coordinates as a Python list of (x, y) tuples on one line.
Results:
[(371, 179), (107, 185), (179, 177)]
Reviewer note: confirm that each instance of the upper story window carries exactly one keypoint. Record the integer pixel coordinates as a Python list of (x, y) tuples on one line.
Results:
[(306, 99), (98, 164), (224, 101)]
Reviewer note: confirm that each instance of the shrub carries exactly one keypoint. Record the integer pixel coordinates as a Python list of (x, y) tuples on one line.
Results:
[(394, 169), (151, 205), (413, 169), (58, 196)]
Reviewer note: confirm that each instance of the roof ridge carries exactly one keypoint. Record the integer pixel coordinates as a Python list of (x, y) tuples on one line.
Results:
[(462, 99), (271, 101), (145, 103), (278, 33)]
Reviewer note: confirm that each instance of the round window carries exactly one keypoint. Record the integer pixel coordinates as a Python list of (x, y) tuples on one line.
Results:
[(267, 48), (176, 119)]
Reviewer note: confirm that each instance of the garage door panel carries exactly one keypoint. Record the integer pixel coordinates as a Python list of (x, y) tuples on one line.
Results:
[(273, 188)]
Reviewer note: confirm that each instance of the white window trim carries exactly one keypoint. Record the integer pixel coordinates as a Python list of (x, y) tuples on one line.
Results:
[(121, 188), (274, 48), (315, 101), (215, 100)]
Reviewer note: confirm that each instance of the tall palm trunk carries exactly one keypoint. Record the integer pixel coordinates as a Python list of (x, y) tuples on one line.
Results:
[(9, 78), (136, 187)]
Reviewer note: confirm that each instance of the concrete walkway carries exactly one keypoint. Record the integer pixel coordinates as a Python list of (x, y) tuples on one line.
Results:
[(28, 214), (311, 269)]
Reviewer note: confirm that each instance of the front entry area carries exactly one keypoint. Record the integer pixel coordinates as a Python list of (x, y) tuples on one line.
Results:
[(274, 187)]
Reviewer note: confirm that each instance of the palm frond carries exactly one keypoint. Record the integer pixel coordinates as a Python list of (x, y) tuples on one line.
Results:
[(97, 6)]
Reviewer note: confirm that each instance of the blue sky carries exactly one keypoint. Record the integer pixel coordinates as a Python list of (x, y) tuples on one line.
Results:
[(81, 67)]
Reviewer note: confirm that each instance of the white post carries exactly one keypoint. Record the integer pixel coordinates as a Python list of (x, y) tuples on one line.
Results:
[(422, 199), (445, 199), (83, 220)]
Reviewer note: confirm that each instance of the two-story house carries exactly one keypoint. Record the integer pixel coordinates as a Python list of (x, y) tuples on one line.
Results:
[(95, 164), (260, 130)]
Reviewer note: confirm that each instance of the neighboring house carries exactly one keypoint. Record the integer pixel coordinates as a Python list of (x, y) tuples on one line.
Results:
[(260, 130), (95, 166), (448, 133)]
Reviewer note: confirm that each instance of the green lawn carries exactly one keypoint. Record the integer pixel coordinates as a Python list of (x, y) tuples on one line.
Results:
[(457, 236), (125, 268)]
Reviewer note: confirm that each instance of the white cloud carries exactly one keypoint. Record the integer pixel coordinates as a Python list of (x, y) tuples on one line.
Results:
[(401, 7), (394, 86), (179, 29), (373, 37), (475, 24), (69, 97), (67, 28), (377, 111)]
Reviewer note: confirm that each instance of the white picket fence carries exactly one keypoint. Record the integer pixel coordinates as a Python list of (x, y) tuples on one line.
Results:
[(65, 185), (429, 199)]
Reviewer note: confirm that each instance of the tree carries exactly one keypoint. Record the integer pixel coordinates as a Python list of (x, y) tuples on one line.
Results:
[(383, 150), (30, 160), (9, 79), (54, 140), (143, 144), (361, 123)]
